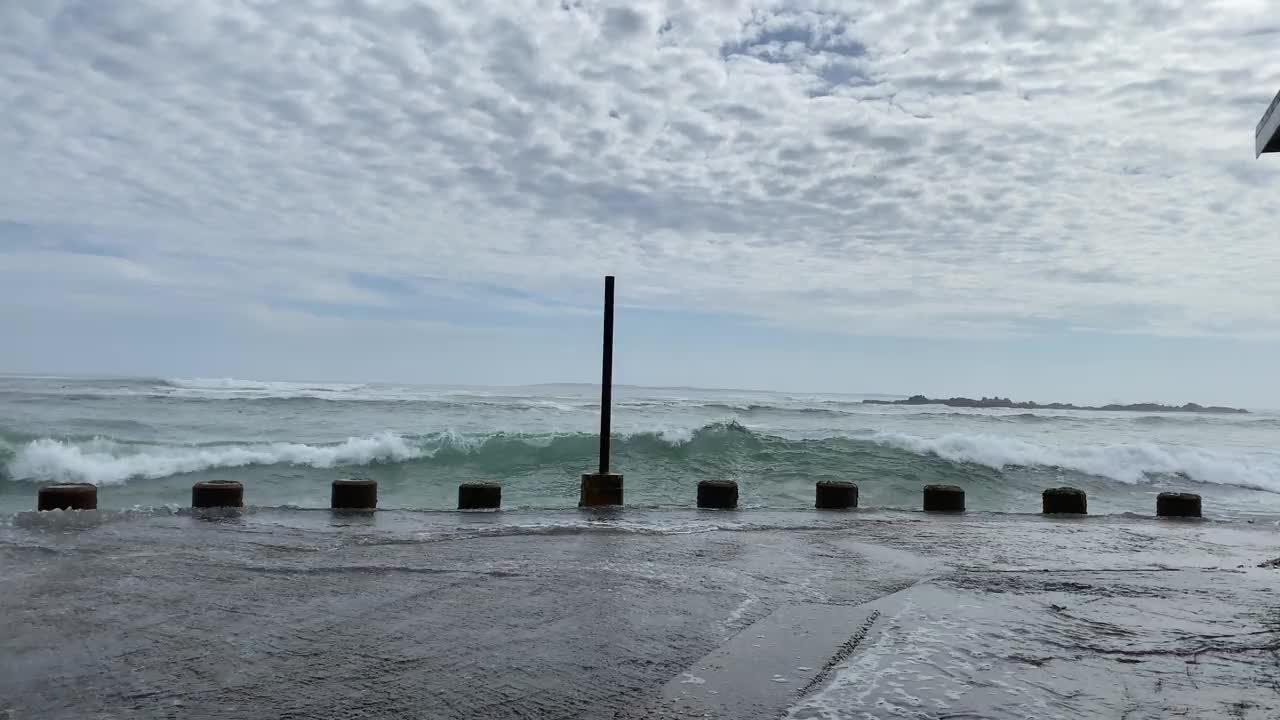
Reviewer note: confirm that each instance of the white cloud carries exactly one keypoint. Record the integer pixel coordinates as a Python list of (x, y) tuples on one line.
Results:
[(912, 167)]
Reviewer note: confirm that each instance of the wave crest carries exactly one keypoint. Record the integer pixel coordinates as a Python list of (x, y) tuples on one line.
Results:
[(724, 448), (105, 462), (1130, 464), (257, 385)]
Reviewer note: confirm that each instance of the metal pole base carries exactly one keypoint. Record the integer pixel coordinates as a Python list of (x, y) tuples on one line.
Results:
[(600, 490)]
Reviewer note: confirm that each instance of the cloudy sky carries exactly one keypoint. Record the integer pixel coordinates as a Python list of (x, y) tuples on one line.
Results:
[(1054, 200)]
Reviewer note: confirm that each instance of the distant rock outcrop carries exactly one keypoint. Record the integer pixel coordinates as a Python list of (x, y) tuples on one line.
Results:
[(999, 402)]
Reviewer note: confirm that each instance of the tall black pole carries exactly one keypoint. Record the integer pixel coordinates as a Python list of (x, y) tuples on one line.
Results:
[(604, 489), (606, 376)]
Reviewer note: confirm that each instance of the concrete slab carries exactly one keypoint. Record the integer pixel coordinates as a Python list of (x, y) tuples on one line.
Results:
[(287, 613), (768, 666)]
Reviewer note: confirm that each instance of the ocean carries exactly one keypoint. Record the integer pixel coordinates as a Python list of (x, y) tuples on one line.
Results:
[(148, 609), (145, 441)]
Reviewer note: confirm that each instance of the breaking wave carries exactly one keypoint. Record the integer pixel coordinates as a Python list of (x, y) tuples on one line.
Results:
[(717, 448), (1126, 463), (257, 385), (106, 462)]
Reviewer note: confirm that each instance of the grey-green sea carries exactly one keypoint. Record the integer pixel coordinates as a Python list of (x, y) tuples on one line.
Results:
[(145, 441)]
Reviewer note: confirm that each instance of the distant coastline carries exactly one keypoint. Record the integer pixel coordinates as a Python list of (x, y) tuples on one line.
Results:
[(998, 402)]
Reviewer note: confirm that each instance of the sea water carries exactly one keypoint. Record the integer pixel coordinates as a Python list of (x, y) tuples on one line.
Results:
[(144, 441)]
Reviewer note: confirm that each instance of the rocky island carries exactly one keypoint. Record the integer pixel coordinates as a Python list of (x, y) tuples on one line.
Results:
[(999, 402)]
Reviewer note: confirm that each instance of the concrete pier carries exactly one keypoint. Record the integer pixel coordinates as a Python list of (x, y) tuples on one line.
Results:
[(217, 494), (1171, 504), (835, 495), (286, 613), (943, 498), (718, 494), (354, 494), (600, 490), (1065, 501), (479, 496), (68, 496)]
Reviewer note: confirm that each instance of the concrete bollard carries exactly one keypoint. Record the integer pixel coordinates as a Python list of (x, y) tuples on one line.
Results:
[(1065, 501), (354, 494), (835, 495), (217, 494), (479, 496), (600, 489), (943, 498), (1170, 504), (68, 496), (718, 494)]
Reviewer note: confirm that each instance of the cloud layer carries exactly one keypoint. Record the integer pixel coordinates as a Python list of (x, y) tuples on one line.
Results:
[(914, 167)]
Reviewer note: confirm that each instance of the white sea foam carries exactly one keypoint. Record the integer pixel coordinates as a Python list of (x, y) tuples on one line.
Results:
[(236, 389), (1127, 463), (104, 462), (232, 388), (257, 385), (675, 435)]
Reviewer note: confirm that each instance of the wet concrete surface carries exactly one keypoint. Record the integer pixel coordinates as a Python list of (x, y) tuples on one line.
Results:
[(281, 613)]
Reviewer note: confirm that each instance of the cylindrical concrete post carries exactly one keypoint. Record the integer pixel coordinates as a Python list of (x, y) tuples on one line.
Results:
[(835, 495), (943, 498), (718, 494), (68, 496), (1171, 504), (217, 494), (479, 496), (354, 494), (600, 489), (1065, 501)]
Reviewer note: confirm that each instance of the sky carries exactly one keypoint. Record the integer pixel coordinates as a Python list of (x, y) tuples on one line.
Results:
[(1047, 200)]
